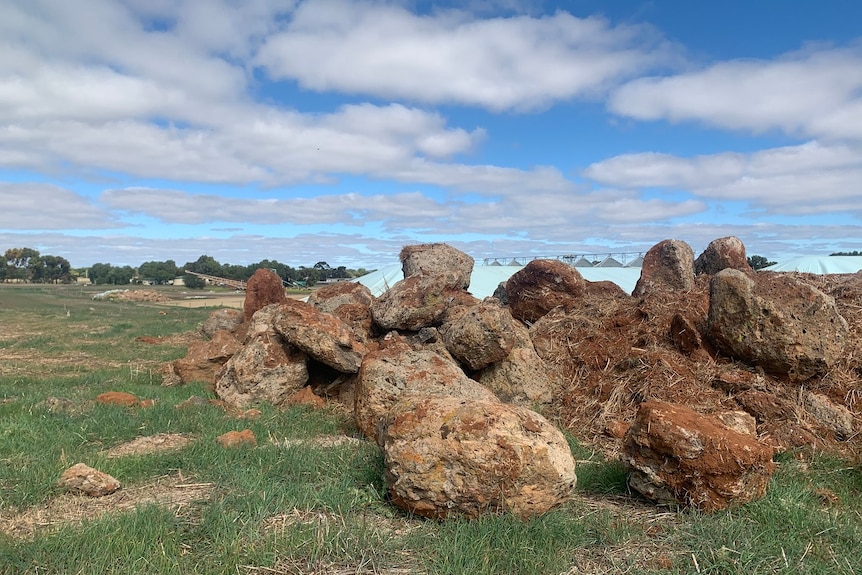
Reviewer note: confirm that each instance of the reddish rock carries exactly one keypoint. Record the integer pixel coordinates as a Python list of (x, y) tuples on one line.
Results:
[(737, 420), (452, 456), (348, 301), (721, 254), (83, 479), (764, 406), (616, 428), (117, 398), (413, 303), (265, 369), (263, 288), (322, 336), (204, 360), (391, 373), (522, 377), (541, 286), (784, 325), (306, 396), (224, 319), (481, 335), (604, 288), (684, 334), (677, 455), (830, 415), (237, 438), (668, 265), (443, 261)]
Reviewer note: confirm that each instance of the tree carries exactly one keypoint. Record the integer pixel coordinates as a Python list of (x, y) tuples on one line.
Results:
[(52, 269), (759, 262), (158, 272), (205, 265), (20, 263), (99, 273), (324, 269), (3, 268), (853, 253), (194, 282)]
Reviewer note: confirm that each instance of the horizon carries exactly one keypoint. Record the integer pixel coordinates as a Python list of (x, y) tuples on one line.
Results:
[(343, 130)]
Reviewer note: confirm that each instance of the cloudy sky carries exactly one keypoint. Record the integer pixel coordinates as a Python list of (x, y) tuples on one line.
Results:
[(341, 130)]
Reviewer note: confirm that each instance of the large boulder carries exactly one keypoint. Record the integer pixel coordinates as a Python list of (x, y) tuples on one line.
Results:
[(438, 260), (324, 337), (418, 301), (265, 370), (204, 359), (389, 374), (676, 455), (541, 286), (668, 265), (481, 335), (224, 319), (782, 324), (522, 377), (263, 288), (453, 456), (721, 254), (348, 301)]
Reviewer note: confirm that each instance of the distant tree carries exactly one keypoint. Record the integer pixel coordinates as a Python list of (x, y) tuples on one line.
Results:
[(3, 268), (759, 262), (20, 263), (99, 273), (52, 269), (340, 272), (853, 253), (121, 275), (205, 265), (194, 282), (324, 270), (234, 272), (158, 272)]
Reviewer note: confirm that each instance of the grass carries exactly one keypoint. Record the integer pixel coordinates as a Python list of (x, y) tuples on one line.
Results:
[(295, 505)]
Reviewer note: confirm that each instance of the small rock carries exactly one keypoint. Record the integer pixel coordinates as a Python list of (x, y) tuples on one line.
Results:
[(117, 398), (306, 396), (668, 265), (81, 478), (830, 415), (237, 438), (721, 254)]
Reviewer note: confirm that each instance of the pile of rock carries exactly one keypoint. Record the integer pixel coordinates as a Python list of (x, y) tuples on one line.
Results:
[(447, 384)]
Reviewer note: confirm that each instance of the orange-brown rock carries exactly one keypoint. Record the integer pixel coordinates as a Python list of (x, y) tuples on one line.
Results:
[(350, 302), (306, 396), (204, 359), (237, 438), (483, 334), (453, 456), (83, 479), (522, 377), (418, 301), (226, 319), (777, 322), (439, 260), (263, 288), (541, 286), (389, 374), (117, 398), (676, 455), (720, 254), (668, 265), (322, 336)]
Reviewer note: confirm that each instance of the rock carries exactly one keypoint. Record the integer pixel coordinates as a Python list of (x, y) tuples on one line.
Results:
[(764, 406), (194, 402), (737, 420), (677, 455), (389, 374), (224, 319), (348, 301), (684, 334), (604, 288), (204, 359), (58, 405), (83, 479), (668, 265), (413, 303), (322, 336), (541, 286), (522, 377), (117, 398), (237, 438), (834, 417), (721, 254), (782, 324), (480, 336), (263, 288), (306, 396), (443, 261), (453, 456), (265, 369)]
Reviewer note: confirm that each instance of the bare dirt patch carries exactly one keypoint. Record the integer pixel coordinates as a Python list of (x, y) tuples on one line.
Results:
[(172, 491), (150, 444)]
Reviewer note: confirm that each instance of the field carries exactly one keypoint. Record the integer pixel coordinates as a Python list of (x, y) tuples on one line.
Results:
[(310, 496)]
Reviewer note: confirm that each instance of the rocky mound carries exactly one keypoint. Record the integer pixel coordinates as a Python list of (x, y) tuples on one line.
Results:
[(750, 362)]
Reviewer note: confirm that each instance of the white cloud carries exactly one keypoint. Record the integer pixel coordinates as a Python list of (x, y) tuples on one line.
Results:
[(517, 62), (810, 178), (815, 93), (29, 206)]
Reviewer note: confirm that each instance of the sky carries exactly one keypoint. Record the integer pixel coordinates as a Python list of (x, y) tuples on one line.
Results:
[(343, 130)]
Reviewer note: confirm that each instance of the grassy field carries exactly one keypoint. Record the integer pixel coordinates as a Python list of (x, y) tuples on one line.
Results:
[(310, 497)]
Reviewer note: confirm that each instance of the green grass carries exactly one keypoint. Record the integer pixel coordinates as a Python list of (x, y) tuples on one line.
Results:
[(309, 508)]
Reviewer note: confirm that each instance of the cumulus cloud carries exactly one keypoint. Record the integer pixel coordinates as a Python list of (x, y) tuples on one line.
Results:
[(814, 93), (31, 206), (500, 63), (810, 178)]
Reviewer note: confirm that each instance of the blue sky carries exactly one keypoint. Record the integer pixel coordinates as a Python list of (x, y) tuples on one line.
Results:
[(342, 130)]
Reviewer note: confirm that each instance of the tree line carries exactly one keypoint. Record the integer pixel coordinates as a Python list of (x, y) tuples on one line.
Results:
[(28, 265)]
